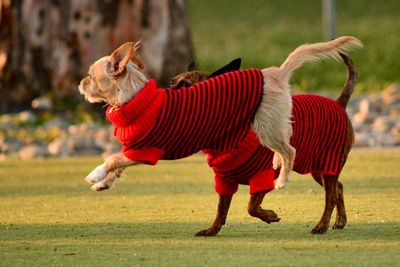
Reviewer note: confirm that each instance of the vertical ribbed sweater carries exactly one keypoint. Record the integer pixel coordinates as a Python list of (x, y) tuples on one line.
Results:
[(319, 136), (169, 124)]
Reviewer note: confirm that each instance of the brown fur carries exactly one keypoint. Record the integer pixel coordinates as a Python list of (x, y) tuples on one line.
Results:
[(332, 187)]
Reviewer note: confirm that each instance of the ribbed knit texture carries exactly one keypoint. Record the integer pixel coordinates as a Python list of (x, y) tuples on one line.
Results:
[(169, 124), (319, 135)]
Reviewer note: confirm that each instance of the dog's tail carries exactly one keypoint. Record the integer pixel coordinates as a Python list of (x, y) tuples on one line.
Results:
[(351, 81), (314, 52)]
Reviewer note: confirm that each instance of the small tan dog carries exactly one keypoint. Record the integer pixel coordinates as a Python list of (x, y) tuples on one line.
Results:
[(118, 80)]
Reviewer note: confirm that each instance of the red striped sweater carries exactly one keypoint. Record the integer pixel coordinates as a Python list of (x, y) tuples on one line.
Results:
[(169, 124), (319, 136)]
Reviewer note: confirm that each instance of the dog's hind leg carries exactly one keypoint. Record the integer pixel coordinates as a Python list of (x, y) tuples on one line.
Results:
[(341, 217), (272, 123), (220, 219), (255, 210), (329, 183)]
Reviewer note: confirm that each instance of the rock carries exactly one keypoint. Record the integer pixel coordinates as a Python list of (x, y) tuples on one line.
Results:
[(10, 146), (362, 139), (6, 118), (73, 129), (32, 151), (364, 106), (26, 116), (389, 140), (395, 131), (59, 147), (42, 103), (391, 94), (75, 143), (56, 122), (110, 149), (383, 124), (101, 138), (88, 151)]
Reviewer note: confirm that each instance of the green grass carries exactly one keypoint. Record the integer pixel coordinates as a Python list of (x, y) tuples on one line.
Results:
[(264, 32), (49, 217)]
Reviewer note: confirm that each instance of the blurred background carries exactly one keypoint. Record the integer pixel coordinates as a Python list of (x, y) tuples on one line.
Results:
[(46, 47)]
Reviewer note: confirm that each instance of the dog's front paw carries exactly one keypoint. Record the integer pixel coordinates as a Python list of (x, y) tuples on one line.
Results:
[(98, 174), (102, 185)]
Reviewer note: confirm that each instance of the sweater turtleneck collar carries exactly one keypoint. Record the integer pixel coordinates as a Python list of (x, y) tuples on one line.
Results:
[(148, 98)]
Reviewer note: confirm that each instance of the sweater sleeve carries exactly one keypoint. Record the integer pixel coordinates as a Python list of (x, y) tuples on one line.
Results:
[(148, 156)]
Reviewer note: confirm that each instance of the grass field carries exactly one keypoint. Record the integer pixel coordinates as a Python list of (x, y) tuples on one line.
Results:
[(49, 217), (263, 32)]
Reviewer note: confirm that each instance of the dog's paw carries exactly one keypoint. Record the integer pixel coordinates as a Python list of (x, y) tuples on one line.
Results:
[(102, 185), (318, 231), (207, 232), (281, 182), (98, 174), (276, 162)]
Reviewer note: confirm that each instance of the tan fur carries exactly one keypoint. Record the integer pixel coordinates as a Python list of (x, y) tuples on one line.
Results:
[(272, 120), (117, 78)]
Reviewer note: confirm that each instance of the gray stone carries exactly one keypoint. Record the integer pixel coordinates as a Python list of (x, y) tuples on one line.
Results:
[(389, 140), (75, 143), (395, 131), (391, 94), (59, 147), (383, 124), (26, 116), (10, 146), (362, 139), (57, 122), (42, 103), (32, 151)]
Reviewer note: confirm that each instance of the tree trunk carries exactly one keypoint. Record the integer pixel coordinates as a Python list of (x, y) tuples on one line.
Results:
[(46, 46)]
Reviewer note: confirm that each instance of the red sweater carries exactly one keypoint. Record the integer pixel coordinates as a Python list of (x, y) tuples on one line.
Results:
[(319, 135), (170, 124)]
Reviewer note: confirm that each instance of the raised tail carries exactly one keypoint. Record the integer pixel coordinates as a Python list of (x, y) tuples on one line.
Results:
[(351, 81), (317, 51)]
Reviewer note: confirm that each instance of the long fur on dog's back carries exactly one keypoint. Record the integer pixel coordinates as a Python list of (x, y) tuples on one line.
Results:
[(313, 52)]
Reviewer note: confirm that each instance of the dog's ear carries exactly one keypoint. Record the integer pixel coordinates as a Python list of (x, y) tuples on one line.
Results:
[(231, 66), (191, 66), (119, 58), (135, 55)]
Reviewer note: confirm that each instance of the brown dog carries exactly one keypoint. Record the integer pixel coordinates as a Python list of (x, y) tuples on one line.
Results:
[(333, 188)]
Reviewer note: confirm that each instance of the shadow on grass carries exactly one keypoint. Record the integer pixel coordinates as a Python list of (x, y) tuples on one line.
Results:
[(183, 231)]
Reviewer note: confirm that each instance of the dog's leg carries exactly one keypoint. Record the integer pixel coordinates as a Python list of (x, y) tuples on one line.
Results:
[(255, 210), (341, 217), (272, 123), (102, 176), (220, 219), (108, 182), (329, 183)]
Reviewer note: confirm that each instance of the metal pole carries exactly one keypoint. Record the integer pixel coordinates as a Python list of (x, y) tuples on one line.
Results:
[(329, 18)]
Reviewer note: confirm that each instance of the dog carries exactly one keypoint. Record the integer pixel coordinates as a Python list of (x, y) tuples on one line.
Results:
[(155, 124), (193, 76), (260, 158)]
